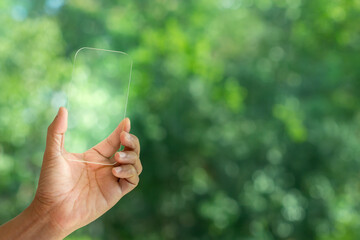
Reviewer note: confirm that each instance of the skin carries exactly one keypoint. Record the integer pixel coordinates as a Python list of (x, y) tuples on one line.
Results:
[(72, 194)]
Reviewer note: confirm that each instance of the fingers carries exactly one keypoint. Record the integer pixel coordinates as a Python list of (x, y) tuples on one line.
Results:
[(130, 142), (129, 157), (124, 171), (130, 168), (128, 177), (56, 130), (111, 144)]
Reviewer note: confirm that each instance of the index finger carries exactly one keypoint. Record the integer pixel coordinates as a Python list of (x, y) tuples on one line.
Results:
[(111, 144), (130, 142)]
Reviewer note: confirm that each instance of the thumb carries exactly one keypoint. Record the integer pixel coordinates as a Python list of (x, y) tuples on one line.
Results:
[(55, 134)]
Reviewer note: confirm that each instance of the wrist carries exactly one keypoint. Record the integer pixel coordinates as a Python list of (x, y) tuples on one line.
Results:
[(31, 224), (43, 222)]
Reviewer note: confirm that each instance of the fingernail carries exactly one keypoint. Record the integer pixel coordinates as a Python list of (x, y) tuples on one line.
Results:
[(118, 169), (122, 155), (127, 136)]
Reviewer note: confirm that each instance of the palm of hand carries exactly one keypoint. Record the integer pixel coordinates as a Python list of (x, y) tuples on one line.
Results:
[(74, 193), (81, 192)]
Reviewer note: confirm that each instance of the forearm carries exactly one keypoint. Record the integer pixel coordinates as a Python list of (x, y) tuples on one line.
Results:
[(29, 225)]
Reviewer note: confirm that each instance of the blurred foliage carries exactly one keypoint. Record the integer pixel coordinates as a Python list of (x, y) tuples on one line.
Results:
[(247, 112)]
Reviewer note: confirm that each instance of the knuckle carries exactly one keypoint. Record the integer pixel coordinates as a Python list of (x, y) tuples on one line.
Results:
[(137, 180), (135, 139), (133, 170), (110, 142), (138, 142), (133, 155)]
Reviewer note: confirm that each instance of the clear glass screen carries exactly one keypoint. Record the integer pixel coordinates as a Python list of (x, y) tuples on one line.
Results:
[(97, 96)]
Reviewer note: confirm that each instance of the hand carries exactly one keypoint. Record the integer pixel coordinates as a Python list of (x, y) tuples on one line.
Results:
[(72, 194)]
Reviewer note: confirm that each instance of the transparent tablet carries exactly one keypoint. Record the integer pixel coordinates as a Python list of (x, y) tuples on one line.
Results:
[(97, 98)]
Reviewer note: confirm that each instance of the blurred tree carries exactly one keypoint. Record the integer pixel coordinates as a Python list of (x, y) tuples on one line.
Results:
[(246, 112)]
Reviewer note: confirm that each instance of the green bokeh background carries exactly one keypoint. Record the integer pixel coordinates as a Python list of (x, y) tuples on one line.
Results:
[(246, 110)]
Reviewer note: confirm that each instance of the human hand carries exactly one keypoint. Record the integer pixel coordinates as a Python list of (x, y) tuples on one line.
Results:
[(73, 194)]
